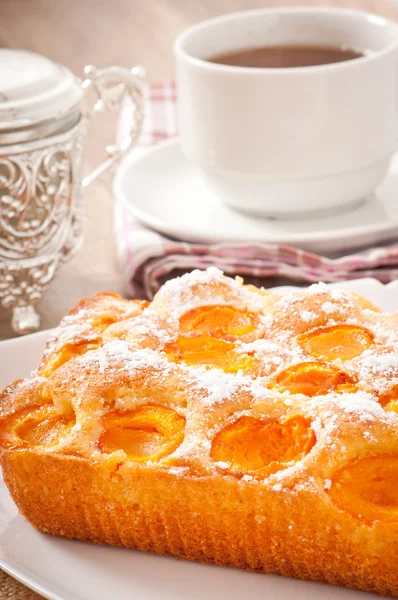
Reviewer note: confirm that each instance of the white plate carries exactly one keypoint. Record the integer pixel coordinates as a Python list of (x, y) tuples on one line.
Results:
[(168, 193), (69, 570)]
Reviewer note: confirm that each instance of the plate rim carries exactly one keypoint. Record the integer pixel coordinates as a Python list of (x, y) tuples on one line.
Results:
[(20, 339), (27, 581), (134, 158)]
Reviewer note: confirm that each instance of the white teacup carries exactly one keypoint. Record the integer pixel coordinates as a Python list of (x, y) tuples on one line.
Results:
[(287, 141)]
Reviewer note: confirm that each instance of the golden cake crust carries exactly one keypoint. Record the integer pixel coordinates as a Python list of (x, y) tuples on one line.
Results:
[(220, 423)]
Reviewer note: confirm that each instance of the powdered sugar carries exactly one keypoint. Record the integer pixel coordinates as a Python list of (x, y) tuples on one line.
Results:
[(222, 465), (271, 353), (300, 304), (261, 345), (386, 333), (322, 288), (145, 326), (217, 384), (179, 284), (385, 364), (194, 289), (329, 308), (277, 487), (72, 328), (308, 315), (180, 295), (318, 288), (317, 427), (361, 403), (339, 295), (117, 354), (80, 315), (178, 471), (286, 300), (259, 390), (34, 381)]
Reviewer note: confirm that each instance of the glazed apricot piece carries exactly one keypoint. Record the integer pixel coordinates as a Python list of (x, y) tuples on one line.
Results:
[(338, 341), (313, 379), (148, 432), (368, 488), (218, 321), (209, 351), (262, 447), (36, 426), (389, 400), (365, 303), (59, 358), (98, 324)]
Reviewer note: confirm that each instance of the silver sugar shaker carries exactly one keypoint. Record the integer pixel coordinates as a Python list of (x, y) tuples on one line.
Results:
[(43, 118)]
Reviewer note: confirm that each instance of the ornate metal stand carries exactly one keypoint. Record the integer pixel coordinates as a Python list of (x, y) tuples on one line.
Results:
[(41, 197)]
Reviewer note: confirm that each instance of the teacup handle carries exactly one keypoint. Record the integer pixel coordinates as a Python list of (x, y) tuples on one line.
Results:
[(110, 85)]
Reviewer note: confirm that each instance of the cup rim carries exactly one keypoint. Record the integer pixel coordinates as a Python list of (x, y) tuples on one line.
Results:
[(180, 52)]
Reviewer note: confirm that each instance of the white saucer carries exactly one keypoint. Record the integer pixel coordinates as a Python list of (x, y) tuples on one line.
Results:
[(166, 192)]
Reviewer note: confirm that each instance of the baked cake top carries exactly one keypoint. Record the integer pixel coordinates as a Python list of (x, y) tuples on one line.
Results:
[(215, 378)]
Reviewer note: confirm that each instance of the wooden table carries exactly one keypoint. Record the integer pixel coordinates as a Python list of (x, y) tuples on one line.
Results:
[(124, 32)]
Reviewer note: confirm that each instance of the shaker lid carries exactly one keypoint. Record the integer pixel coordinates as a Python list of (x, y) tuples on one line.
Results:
[(34, 89)]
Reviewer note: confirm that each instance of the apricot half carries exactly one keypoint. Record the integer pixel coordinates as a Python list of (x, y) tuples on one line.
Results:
[(313, 379), (389, 400), (365, 303), (209, 351), (146, 433), (262, 447), (59, 358), (368, 488), (218, 321), (338, 341), (40, 425)]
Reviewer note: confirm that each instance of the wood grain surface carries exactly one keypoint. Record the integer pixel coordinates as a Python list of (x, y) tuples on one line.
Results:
[(123, 32)]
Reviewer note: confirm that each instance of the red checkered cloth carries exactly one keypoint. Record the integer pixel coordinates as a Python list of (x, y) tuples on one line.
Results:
[(148, 258)]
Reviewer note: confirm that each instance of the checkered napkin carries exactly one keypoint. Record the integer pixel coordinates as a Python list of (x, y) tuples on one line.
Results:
[(148, 258)]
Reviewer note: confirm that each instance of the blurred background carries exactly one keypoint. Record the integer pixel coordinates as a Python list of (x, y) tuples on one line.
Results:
[(77, 32), (124, 32)]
